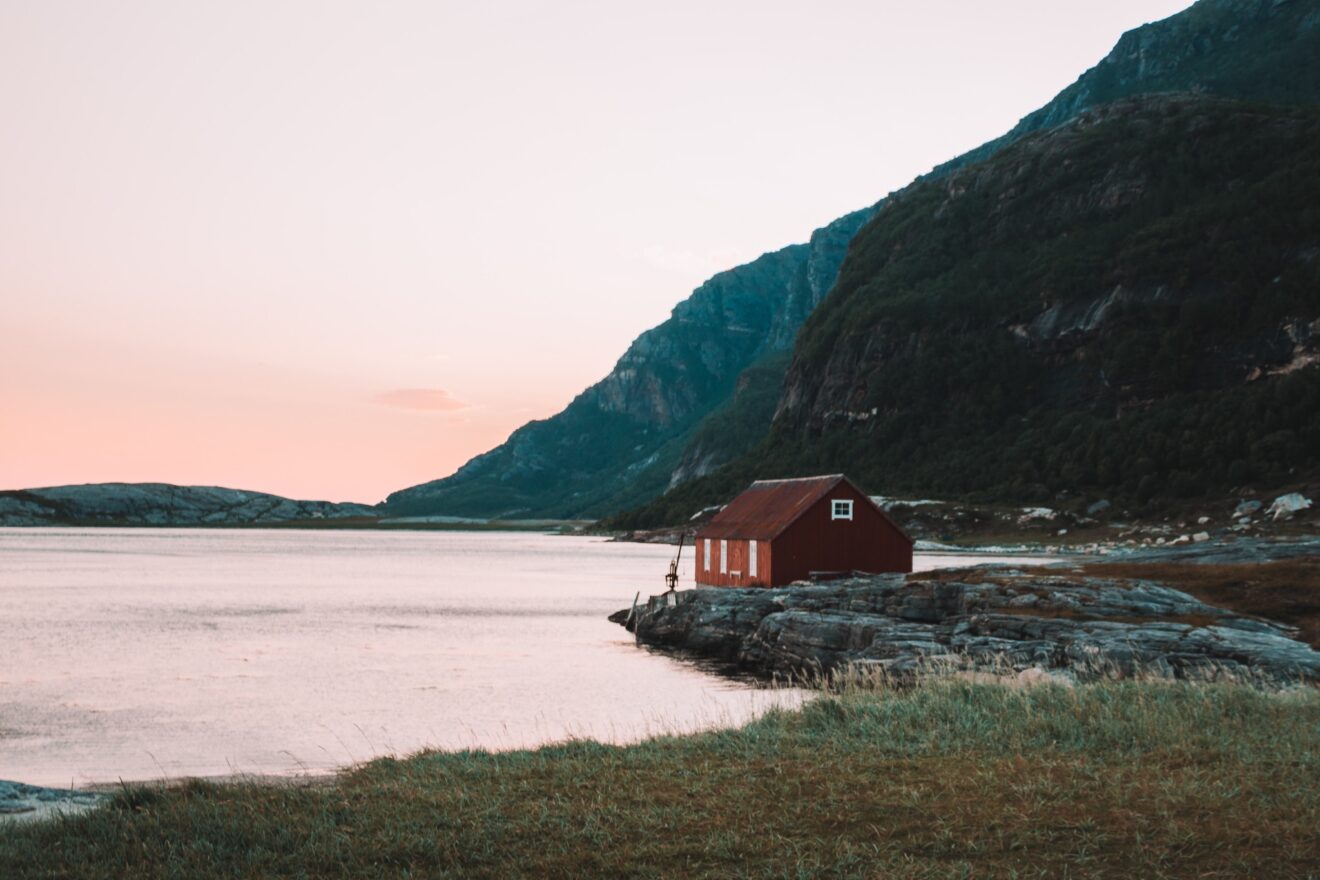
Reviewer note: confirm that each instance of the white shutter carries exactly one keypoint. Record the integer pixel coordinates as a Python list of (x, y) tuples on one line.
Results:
[(706, 561), (724, 556), (751, 559)]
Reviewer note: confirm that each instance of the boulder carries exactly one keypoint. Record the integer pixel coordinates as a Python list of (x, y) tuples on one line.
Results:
[(1286, 505), (1247, 508)]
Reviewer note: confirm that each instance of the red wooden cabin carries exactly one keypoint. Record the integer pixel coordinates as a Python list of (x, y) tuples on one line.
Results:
[(780, 531)]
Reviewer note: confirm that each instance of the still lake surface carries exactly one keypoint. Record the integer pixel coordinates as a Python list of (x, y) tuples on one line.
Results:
[(145, 653)]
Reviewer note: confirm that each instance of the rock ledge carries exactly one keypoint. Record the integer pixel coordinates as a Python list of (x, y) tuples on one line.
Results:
[(993, 619)]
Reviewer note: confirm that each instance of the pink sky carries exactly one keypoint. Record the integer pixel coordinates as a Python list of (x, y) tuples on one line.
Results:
[(332, 249)]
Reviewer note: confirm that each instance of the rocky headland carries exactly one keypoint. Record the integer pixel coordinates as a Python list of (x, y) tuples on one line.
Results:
[(1080, 625)]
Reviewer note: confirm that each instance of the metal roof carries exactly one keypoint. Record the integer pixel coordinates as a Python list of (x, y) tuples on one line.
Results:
[(767, 507)]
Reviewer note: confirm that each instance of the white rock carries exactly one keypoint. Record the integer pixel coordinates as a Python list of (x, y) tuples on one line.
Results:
[(1202, 520), (1286, 505), (1247, 507), (1199, 537)]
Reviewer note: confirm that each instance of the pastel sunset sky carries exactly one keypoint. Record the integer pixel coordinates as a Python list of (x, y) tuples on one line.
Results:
[(331, 249)]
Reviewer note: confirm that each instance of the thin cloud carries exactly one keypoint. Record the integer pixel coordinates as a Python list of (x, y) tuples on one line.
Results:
[(420, 399)]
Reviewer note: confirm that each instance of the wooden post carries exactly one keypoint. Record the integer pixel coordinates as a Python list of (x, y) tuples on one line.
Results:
[(632, 615)]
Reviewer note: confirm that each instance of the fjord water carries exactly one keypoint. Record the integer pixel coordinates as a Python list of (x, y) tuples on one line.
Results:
[(141, 653), (144, 653)]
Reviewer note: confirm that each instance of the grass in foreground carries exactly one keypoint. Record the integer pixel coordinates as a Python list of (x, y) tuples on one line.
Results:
[(952, 779)]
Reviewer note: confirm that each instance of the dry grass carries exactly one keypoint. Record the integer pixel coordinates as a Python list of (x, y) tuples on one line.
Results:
[(952, 779)]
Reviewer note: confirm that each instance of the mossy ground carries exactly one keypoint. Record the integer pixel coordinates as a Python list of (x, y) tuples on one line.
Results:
[(952, 779)]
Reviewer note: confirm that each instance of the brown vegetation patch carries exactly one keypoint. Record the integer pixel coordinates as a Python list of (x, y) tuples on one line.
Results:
[(1287, 591)]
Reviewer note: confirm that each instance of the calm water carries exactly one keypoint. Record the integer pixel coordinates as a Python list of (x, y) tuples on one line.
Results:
[(141, 653)]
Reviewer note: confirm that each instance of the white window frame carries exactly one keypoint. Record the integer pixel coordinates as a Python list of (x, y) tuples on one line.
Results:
[(751, 559), (706, 559), (724, 556), (841, 508)]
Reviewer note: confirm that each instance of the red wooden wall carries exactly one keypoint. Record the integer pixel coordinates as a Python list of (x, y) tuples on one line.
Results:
[(868, 542), (739, 569)]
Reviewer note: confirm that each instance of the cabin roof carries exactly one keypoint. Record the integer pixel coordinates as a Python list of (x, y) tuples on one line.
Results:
[(767, 507)]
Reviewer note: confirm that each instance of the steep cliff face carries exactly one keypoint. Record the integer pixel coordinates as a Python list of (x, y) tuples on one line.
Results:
[(738, 425), (619, 441)]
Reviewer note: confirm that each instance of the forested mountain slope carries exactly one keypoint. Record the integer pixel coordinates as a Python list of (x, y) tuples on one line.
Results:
[(1127, 306), (678, 406)]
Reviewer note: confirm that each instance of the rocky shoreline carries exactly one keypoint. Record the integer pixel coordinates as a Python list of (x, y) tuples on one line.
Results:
[(1002, 619)]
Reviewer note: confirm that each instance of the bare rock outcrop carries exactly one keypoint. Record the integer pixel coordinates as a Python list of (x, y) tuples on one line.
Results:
[(1001, 619)]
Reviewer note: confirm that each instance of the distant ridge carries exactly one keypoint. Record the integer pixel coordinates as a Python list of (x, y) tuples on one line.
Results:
[(160, 504)]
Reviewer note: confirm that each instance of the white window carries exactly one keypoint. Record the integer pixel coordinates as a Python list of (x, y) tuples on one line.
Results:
[(751, 559), (706, 561), (841, 508), (724, 556)]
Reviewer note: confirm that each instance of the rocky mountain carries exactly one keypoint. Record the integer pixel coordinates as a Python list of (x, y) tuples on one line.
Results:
[(161, 504), (1126, 306), (1260, 50), (1141, 284), (619, 441), (1144, 333), (677, 406)]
